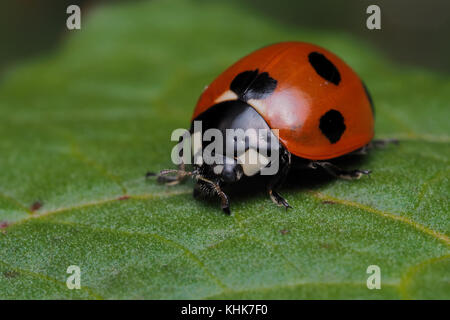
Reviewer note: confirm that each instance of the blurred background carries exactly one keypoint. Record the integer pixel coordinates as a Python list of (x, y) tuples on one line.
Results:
[(414, 32)]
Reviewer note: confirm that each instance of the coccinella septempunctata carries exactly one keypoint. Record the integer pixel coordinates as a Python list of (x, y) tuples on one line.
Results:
[(318, 105)]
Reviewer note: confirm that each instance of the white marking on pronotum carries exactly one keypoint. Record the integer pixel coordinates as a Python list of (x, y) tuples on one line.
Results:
[(226, 96), (218, 169), (259, 105), (252, 162)]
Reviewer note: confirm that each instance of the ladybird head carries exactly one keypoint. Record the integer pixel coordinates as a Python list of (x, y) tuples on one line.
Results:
[(227, 171), (230, 171)]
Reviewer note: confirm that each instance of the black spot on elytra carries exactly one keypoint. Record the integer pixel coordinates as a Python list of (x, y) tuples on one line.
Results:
[(369, 97), (332, 125), (253, 85), (324, 67)]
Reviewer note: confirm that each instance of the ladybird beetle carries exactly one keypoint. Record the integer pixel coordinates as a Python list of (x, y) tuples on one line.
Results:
[(318, 105)]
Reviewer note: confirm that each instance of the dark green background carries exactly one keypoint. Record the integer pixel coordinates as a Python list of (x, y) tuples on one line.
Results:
[(413, 32)]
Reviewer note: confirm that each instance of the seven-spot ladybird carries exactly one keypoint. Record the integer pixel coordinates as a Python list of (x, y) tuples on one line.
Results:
[(318, 105)]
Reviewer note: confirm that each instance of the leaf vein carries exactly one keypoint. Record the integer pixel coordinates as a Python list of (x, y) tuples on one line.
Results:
[(424, 229), (45, 277), (413, 270), (161, 238)]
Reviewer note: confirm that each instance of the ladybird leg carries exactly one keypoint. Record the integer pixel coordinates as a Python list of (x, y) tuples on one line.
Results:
[(224, 201), (278, 180), (374, 144), (278, 199), (338, 172), (202, 189), (164, 177), (181, 175), (380, 143), (169, 180), (362, 151)]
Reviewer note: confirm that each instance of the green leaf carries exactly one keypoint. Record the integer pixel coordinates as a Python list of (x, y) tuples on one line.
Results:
[(81, 126)]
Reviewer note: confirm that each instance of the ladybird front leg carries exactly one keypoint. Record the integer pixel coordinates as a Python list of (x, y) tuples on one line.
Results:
[(203, 189), (338, 172), (224, 201), (164, 177), (179, 177), (380, 143), (206, 186), (362, 151)]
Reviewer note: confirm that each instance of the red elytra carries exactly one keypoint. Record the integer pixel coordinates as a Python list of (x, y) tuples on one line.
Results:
[(311, 81)]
